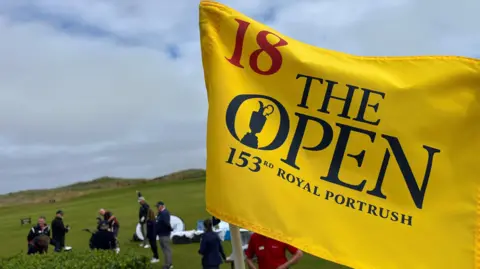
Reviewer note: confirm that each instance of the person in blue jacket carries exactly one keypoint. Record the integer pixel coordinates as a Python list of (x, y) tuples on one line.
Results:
[(211, 247), (164, 230), (151, 235)]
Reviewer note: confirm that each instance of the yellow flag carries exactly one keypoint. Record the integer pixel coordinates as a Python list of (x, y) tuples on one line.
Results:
[(370, 162)]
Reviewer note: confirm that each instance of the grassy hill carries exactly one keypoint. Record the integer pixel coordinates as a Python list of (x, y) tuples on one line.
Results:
[(87, 187), (183, 193)]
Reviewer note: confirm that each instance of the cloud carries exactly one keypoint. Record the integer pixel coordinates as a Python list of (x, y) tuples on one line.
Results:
[(115, 87)]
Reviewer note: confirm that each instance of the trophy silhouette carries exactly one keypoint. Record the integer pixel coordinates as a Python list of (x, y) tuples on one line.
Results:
[(257, 121)]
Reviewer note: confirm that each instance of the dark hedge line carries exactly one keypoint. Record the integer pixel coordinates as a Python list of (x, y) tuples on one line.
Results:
[(77, 260)]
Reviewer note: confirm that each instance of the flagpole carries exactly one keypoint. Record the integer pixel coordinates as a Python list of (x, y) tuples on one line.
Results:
[(235, 238), (237, 249)]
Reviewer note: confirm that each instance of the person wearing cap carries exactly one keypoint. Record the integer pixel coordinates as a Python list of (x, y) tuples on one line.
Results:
[(58, 231), (142, 219), (103, 238), (164, 229)]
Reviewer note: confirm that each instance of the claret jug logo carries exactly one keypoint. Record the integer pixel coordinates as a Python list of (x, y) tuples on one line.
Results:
[(305, 119), (257, 122), (258, 119)]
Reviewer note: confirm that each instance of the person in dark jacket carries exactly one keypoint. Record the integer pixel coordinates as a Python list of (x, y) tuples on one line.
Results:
[(211, 247), (152, 234), (103, 238), (164, 229), (113, 224), (142, 218), (40, 229), (112, 221), (58, 231)]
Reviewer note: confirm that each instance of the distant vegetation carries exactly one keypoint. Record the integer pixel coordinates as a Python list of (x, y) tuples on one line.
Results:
[(82, 188)]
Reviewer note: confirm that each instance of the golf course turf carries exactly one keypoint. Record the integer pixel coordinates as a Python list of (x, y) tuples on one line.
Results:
[(184, 198)]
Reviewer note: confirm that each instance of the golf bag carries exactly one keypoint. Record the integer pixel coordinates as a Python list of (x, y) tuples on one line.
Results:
[(135, 238)]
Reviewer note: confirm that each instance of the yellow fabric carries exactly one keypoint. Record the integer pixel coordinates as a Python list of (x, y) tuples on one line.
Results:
[(429, 116)]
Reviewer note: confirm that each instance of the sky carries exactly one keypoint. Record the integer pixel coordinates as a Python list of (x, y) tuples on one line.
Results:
[(92, 88)]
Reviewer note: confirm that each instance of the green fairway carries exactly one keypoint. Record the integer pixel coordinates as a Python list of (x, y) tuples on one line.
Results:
[(184, 198)]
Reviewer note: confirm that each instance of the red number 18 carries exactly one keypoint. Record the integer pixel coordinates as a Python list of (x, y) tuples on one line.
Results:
[(265, 46)]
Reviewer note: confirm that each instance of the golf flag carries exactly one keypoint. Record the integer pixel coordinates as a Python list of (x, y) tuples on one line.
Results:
[(370, 162)]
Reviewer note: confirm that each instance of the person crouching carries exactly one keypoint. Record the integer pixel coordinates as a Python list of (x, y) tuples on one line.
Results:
[(103, 238), (40, 229), (113, 225)]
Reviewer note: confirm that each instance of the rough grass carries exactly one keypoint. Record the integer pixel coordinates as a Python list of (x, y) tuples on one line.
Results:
[(184, 197)]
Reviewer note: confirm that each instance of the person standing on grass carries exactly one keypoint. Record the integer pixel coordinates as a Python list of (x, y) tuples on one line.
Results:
[(270, 253), (58, 231), (40, 229), (211, 247), (142, 218), (151, 234), (164, 229), (114, 225)]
